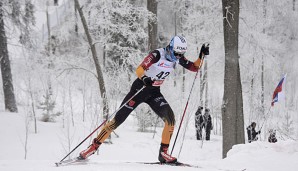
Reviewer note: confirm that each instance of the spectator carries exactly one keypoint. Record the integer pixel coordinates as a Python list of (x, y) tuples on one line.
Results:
[(208, 123), (272, 138), (199, 123), (251, 132)]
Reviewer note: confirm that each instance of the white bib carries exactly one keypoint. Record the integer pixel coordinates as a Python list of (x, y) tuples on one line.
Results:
[(161, 69)]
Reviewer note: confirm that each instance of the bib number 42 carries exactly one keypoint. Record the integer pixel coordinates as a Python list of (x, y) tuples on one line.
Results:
[(162, 75)]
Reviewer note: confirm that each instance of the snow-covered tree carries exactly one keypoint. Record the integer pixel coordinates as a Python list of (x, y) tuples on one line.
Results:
[(13, 13)]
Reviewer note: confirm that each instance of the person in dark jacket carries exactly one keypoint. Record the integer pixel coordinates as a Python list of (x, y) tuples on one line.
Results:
[(208, 123), (199, 123), (251, 132), (272, 138)]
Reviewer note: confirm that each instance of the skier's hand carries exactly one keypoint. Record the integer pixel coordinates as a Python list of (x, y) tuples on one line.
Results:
[(259, 131), (147, 81), (204, 50)]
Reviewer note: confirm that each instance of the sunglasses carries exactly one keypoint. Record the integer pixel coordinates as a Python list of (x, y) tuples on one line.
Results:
[(178, 54)]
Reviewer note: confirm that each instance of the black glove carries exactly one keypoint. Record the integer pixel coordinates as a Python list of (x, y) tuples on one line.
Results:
[(147, 81), (259, 132), (204, 50)]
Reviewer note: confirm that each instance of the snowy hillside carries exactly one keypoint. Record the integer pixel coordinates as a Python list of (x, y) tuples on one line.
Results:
[(48, 147)]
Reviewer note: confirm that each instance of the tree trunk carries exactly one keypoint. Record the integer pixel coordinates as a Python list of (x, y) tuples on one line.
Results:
[(201, 87), (49, 31), (175, 25), (152, 26), (240, 135), (9, 97), (96, 62), (262, 67), (205, 78), (84, 98), (252, 94), (76, 27), (232, 107)]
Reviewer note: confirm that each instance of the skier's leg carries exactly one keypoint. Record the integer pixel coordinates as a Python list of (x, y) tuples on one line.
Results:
[(119, 118), (161, 107)]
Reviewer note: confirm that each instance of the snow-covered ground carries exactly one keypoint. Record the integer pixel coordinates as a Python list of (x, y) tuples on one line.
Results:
[(50, 143)]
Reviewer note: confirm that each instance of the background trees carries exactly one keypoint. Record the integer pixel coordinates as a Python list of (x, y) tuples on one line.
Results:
[(267, 41)]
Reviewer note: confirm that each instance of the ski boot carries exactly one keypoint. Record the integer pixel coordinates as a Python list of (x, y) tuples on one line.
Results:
[(164, 157), (90, 150)]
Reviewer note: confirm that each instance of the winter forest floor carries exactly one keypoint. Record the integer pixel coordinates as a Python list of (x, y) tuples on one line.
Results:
[(50, 143)]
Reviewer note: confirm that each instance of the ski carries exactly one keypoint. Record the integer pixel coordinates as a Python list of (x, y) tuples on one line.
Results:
[(70, 161), (77, 160), (170, 164)]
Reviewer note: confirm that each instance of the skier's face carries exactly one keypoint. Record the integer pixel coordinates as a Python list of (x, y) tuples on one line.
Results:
[(178, 55)]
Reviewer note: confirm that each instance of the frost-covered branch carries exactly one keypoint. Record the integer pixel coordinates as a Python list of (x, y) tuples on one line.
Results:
[(75, 67), (228, 13)]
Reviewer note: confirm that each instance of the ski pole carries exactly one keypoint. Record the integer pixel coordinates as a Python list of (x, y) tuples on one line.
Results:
[(103, 122), (186, 105), (184, 113), (265, 117)]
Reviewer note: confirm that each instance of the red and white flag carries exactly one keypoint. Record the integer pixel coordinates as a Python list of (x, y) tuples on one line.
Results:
[(278, 90)]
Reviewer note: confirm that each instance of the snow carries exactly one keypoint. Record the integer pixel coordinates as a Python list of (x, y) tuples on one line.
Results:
[(52, 142), (49, 144)]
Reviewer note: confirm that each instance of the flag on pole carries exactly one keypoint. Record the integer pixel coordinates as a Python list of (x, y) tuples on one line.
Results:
[(278, 90)]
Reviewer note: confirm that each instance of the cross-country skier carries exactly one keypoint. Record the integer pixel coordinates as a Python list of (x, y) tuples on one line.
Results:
[(152, 72)]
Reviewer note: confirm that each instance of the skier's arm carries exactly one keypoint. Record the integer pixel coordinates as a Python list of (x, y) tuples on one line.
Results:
[(152, 58), (192, 66), (195, 66)]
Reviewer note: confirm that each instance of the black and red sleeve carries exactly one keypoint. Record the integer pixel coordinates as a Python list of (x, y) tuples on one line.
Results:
[(188, 64), (152, 58)]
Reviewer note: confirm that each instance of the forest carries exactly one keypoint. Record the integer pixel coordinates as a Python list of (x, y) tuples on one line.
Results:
[(74, 61)]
